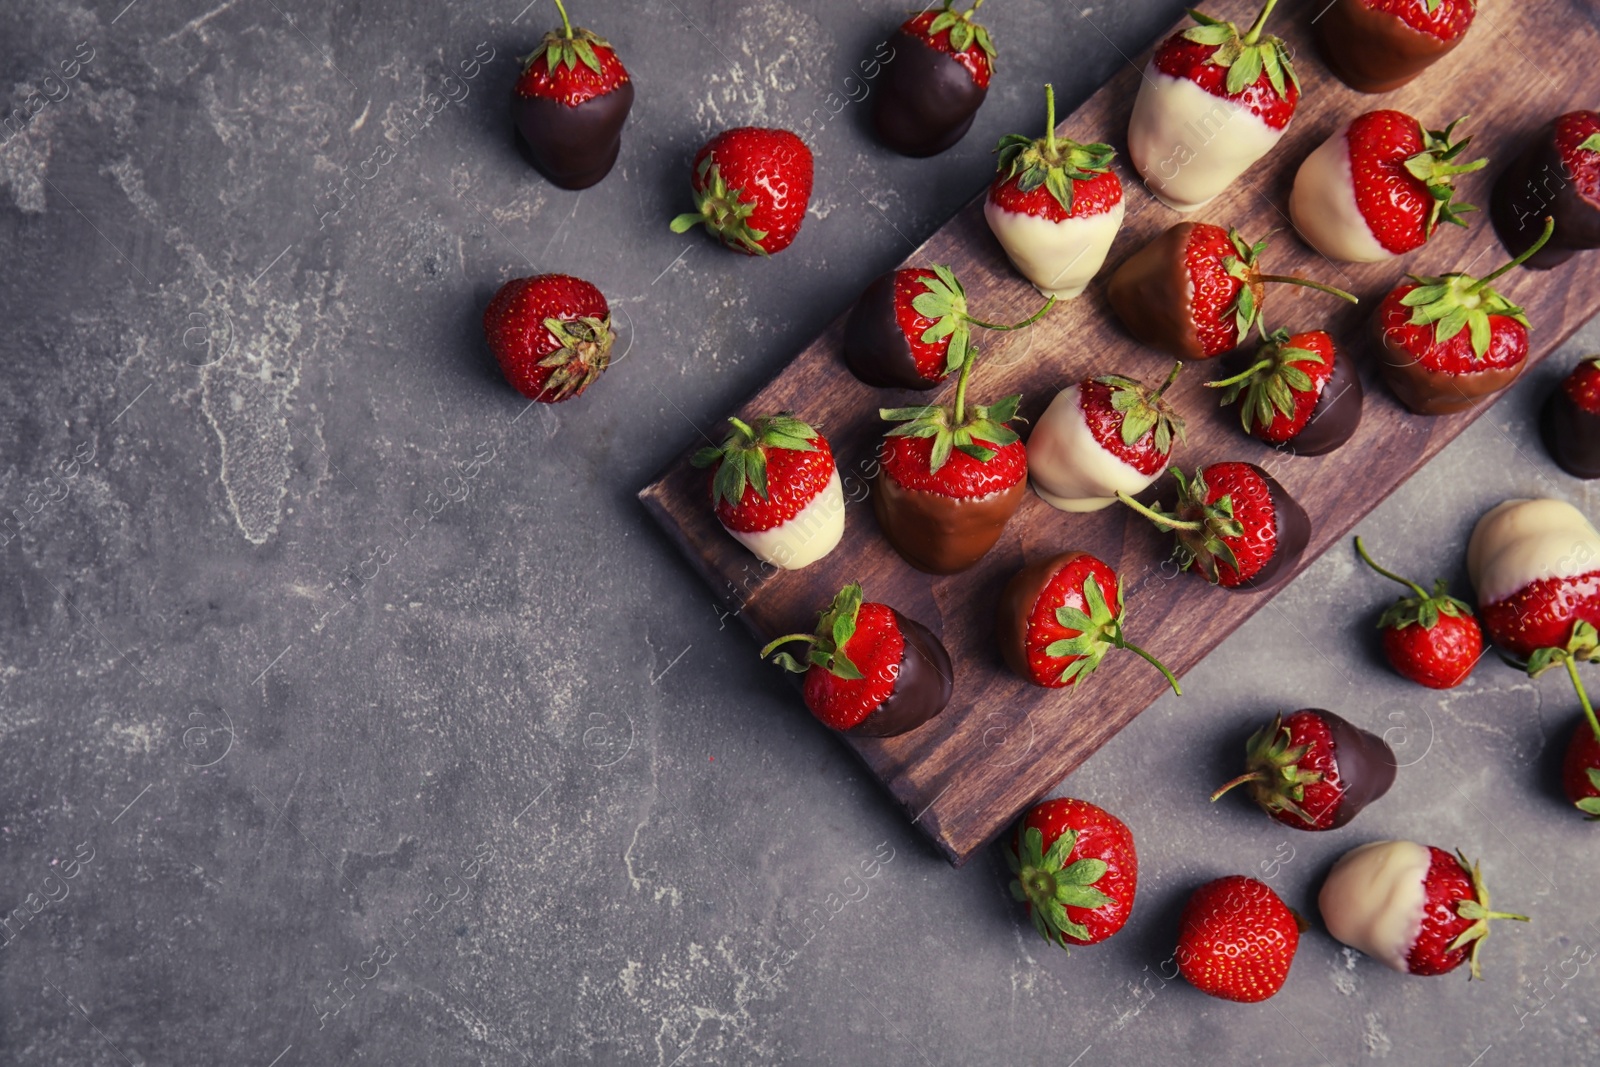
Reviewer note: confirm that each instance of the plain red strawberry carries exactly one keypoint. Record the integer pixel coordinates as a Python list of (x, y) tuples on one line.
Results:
[(1237, 939), (1314, 770), (766, 471), (1431, 638), (1404, 177), (1075, 867), (1455, 917), (1576, 133), (1115, 408), (977, 55), (1278, 392), (1580, 770), (752, 186), (551, 335), (1273, 100)]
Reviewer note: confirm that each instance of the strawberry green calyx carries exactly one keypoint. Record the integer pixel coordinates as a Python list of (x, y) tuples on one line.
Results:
[(834, 630), (1052, 162), (1456, 302), (1050, 885), (1246, 55), (945, 301), (1422, 608), (1200, 540), (1434, 167), (1243, 266), (567, 46), (584, 354), (1590, 806), (743, 454), (1583, 646), (1273, 774), (1590, 143), (955, 428), (1477, 912), (1269, 386), (964, 33), (1099, 631), (721, 209), (1145, 410)]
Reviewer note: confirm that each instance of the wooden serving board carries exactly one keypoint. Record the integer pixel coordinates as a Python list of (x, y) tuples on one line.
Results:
[(1001, 743)]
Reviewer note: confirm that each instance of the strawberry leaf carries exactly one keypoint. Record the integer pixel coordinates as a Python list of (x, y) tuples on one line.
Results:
[(1590, 143), (741, 459)]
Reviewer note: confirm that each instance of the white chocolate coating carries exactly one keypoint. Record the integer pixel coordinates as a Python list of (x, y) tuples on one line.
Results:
[(1059, 258), (1323, 206), (1068, 467), (1375, 898), (1189, 145), (1523, 541), (811, 534)]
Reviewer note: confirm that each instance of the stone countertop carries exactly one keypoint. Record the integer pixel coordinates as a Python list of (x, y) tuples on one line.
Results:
[(354, 714)]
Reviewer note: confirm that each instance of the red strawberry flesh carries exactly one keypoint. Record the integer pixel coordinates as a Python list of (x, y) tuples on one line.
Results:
[(794, 479), (876, 648), (1182, 58), (1105, 425)]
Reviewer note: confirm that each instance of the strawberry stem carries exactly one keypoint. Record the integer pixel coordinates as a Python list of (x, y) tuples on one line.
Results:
[(1024, 324), (1241, 376), (961, 384), (1292, 279), (742, 426), (566, 23), (973, 10), (1361, 550), (1050, 122), (1583, 696), (1148, 658), (1252, 776), (1172, 376), (809, 639), (1549, 228), (1254, 33), (1156, 516)]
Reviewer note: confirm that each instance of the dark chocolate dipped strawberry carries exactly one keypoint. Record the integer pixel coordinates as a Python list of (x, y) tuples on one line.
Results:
[(1570, 421), (911, 329), (1314, 770), (1102, 436), (1058, 617), (1196, 291), (1235, 524), (570, 105), (1298, 392), (1557, 175), (868, 669), (1535, 566), (1448, 342), (935, 82), (1375, 46)]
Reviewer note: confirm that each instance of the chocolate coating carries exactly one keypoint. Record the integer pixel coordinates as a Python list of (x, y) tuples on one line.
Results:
[(1373, 51), (1337, 412), (1571, 435), (574, 147), (927, 100), (1016, 605), (1429, 392), (921, 690), (1537, 184), (1150, 294), (1294, 533), (1365, 762), (940, 534), (875, 348)]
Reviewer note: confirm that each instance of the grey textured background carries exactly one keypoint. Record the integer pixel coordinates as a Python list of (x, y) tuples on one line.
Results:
[(335, 662)]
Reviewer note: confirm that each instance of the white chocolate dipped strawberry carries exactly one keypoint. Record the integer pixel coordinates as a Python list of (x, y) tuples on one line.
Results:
[(1535, 565), (1212, 101), (1100, 437)]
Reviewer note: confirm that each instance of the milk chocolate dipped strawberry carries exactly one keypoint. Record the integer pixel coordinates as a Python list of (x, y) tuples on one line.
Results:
[(570, 104), (1570, 421), (776, 490), (1100, 437), (1296, 391), (1074, 866), (1379, 187), (1195, 291), (1314, 770), (911, 329), (1055, 206), (1431, 638), (1411, 907), (1557, 175), (1375, 46), (1212, 101), (1235, 523), (935, 81), (751, 188), (869, 670), (1447, 342), (1535, 565), (1059, 617)]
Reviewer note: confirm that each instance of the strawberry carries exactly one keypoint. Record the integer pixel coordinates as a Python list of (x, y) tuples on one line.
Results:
[(1449, 341), (1297, 390), (1059, 617), (551, 335), (1101, 436), (751, 187), (1557, 174), (1314, 770), (1535, 565), (1055, 206), (1375, 46), (570, 104), (1379, 187), (1414, 908), (1580, 770), (1431, 638), (911, 329), (1569, 422), (1195, 291), (869, 670), (1237, 939), (1236, 523), (1075, 869), (1212, 101), (776, 489), (936, 80)]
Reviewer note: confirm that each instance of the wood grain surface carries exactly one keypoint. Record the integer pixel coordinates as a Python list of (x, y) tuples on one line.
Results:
[(1001, 743)]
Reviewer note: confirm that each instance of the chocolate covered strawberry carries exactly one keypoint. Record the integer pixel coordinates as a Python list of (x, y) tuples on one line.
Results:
[(1059, 617), (1313, 770), (911, 329), (1235, 524), (1237, 939), (1448, 342), (1413, 908), (1379, 187), (776, 490), (1100, 437), (1556, 175), (1196, 291), (1212, 101), (570, 104), (1580, 769), (551, 335), (935, 81), (1075, 868), (1055, 206), (1375, 46), (868, 669), (1297, 391), (751, 187), (1431, 638), (1535, 565), (1569, 422)]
